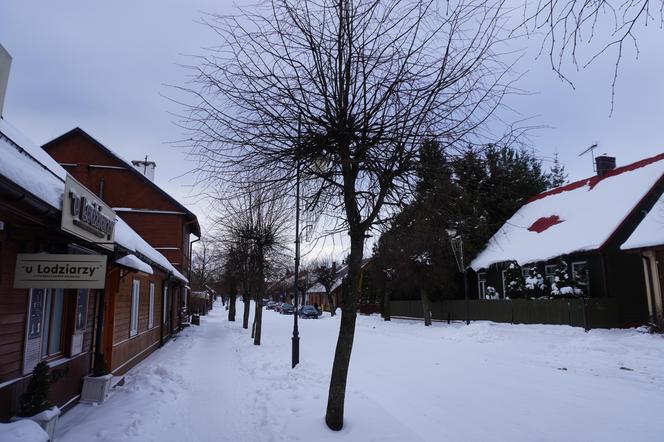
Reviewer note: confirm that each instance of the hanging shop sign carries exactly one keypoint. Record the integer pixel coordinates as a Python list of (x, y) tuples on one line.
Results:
[(42, 270), (85, 215)]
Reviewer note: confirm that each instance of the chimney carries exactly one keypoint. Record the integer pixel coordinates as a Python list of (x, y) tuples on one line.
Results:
[(145, 167), (604, 164), (5, 65)]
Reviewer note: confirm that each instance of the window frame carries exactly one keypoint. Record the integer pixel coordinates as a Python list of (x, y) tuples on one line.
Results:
[(585, 263), (481, 284), (134, 307), (550, 277), (79, 293), (151, 306), (164, 305), (47, 324)]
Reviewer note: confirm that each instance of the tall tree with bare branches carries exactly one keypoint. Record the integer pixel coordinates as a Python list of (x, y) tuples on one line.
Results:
[(255, 225), (327, 273), (346, 90)]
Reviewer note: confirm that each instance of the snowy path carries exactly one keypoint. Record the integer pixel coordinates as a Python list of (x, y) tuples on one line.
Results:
[(407, 383)]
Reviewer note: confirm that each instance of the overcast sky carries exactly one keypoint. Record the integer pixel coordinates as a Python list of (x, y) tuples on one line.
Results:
[(104, 66)]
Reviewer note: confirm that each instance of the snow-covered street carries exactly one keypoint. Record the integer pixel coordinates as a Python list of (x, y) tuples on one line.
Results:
[(407, 383)]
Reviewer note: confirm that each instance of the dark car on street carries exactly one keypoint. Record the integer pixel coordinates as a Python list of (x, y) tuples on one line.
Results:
[(287, 309), (309, 311)]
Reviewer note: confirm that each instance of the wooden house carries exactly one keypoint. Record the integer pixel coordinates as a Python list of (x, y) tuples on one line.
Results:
[(166, 224), (583, 224), (63, 318), (647, 241)]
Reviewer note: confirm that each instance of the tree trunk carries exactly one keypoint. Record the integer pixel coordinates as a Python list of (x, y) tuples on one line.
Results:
[(387, 313), (259, 294), (231, 307), (245, 313), (258, 319), (337, 394), (330, 301), (232, 296), (426, 306)]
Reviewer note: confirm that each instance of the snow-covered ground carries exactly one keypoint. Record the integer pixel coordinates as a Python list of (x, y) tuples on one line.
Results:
[(407, 383)]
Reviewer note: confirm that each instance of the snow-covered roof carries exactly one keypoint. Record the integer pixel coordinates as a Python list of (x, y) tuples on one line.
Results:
[(30, 167), (343, 271), (316, 288), (580, 216), (650, 232), (132, 262)]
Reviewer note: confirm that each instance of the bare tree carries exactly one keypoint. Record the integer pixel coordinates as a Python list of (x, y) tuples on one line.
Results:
[(602, 25), (326, 274), (205, 264), (255, 224), (342, 92)]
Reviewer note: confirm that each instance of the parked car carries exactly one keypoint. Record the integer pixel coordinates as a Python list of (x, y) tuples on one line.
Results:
[(309, 311), (271, 305), (287, 309)]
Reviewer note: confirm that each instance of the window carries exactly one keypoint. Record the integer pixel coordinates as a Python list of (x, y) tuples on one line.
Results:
[(481, 284), (581, 276), (151, 314), (53, 313), (164, 305), (81, 309), (550, 273), (135, 301)]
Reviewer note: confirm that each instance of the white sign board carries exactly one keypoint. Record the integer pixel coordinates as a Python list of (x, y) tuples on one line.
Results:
[(85, 215), (43, 270)]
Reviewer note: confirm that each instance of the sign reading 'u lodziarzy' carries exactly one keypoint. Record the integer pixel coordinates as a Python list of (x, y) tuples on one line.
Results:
[(44, 270), (85, 215)]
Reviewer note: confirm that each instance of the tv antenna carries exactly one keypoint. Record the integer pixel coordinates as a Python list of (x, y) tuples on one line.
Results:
[(591, 149)]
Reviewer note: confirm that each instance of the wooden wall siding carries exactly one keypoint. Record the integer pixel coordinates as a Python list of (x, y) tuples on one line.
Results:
[(62, 391), (13, 305), (126, 347), (160, 230), (122, 188)]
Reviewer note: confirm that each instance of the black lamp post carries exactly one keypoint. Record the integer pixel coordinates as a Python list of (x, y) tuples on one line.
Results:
[(296, 333), (456, 241)]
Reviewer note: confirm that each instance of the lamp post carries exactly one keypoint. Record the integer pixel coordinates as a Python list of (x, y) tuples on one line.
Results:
[(456, 241), (296, 333)]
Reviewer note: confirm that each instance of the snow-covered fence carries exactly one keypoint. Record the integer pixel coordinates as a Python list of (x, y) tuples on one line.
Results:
[(586, 313)]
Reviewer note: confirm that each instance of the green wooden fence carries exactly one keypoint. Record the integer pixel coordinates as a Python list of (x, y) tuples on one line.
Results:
[(586, 313)]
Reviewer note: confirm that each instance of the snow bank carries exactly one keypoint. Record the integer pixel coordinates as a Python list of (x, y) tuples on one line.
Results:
[(23, 430), (577, 217)]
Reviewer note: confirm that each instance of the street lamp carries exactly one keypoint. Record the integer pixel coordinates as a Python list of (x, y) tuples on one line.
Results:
[(296, 334), (456, 241)]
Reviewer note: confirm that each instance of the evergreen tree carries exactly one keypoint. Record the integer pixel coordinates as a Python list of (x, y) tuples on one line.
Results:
[(563, 285), (558, 176), (534, 283), (474, 192), (515, 286), (37, 396)]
